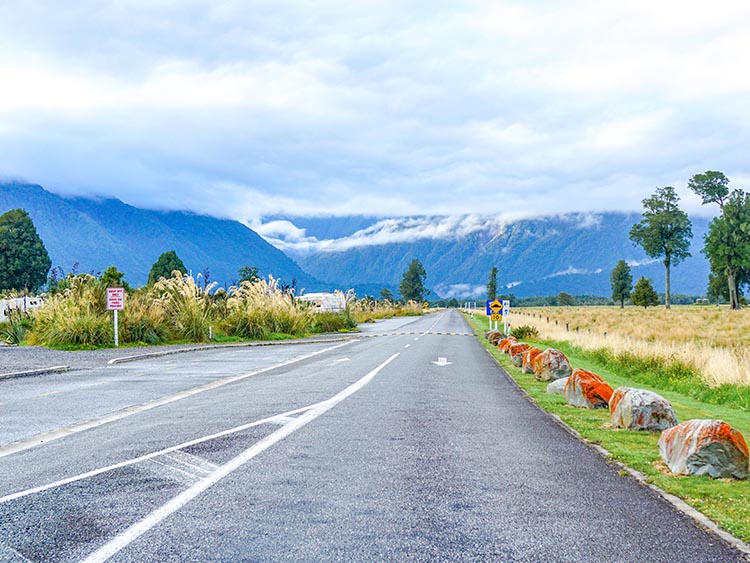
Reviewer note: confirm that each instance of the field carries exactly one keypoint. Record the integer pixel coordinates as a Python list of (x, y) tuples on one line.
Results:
[(725, 501), (714, 341)]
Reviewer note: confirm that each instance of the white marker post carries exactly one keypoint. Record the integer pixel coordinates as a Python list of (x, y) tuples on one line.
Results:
[(506, 311), (116, 302)]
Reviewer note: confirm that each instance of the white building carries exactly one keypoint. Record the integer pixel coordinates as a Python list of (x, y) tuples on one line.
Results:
[(23, 303), (325, 302)]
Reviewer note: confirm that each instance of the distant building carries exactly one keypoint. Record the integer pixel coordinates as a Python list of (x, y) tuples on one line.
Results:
[(325, 302)]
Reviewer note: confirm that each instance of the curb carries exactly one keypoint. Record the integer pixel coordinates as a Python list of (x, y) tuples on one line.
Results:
[(31, 372), (136, 357), (700, 519)]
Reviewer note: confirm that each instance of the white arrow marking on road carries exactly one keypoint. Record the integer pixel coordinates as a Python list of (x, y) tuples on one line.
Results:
[(442, 362)]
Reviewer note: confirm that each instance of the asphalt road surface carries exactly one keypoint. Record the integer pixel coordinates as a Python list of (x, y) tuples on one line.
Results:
[(407, 443)]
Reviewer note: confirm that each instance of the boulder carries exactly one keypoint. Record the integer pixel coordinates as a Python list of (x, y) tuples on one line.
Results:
[(527, 365), (587, 390), (516, 353), (638, 409), (494, 337), (557, 387), (505, 344), (705, 447), (551, 364)]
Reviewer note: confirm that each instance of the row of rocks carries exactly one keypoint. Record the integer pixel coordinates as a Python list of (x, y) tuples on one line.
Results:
[(695, 447)]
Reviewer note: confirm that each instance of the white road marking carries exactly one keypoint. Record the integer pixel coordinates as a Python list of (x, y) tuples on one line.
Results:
[(52, 435), (138, 529), (339, 361), (417, 338), (407, 345), (442, 362)]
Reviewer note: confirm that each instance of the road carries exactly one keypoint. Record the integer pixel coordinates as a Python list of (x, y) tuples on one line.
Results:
[(373, 449)]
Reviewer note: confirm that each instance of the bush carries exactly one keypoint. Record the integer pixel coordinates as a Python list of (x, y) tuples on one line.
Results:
[(525, 332), (18, 324)]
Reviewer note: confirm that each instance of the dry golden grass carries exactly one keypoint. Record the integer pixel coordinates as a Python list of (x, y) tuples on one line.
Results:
[(713, 340)]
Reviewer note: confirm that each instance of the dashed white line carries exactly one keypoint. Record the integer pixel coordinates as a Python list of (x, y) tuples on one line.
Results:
[(407, 345), (136, 530)]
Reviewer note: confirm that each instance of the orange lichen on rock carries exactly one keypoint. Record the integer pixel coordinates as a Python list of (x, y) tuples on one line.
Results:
[(705, 447), (516, 353), (494, 337), (588, 390), (527, 363), (551, 364), (505, 344)]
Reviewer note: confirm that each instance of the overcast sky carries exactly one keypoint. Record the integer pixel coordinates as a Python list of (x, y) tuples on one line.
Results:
[(245, 108)]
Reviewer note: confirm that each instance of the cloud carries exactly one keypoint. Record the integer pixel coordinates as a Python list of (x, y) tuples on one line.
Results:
[(571, 271), (245, 109), (460, 290), (638, 263)]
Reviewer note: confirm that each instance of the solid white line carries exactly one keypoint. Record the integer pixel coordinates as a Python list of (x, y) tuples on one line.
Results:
[(52, 435), (138, 529)]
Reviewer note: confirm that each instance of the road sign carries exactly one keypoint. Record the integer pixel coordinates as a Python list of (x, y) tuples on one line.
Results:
[(493, 307), (496, 317), (506, 307), (115, 298), (425, 305)]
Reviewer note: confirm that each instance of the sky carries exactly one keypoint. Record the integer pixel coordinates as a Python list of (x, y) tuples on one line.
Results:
[(246, 109)]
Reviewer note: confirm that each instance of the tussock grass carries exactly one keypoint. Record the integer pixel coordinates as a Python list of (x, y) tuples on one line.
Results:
[(368, 310), (711, 342)]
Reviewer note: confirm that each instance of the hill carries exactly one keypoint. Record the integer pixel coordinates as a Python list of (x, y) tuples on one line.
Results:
[(96, 234)]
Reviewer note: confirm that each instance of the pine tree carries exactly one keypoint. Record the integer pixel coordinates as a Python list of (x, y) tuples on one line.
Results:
[(412, 284), (492, 284), (24, 261), (622, 282), (167, 263), (644, 294)]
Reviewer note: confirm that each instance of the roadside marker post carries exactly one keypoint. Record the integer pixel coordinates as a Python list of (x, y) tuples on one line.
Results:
[(115, 303), (506, 311)]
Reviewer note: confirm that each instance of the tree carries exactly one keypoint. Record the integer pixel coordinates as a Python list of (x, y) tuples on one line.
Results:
[(664, 232), (492, 284), (167, 263), (622, 282), (412, 284), (112, 277), (565, 299), (644, 294), (24, 261), (248, 274), (386, 295), (728, 240)]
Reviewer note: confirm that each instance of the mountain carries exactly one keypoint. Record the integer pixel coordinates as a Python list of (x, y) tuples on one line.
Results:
[(99, 233), (541, 256)]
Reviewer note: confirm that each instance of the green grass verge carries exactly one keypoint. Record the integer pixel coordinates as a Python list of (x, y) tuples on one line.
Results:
[(726, 502)]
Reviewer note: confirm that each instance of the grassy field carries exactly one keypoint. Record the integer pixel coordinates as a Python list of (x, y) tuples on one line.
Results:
[(714, 341), (727, 502)]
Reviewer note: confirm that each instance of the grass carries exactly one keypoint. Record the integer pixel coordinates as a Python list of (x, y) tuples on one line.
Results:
[(727, 502), (714, 342)]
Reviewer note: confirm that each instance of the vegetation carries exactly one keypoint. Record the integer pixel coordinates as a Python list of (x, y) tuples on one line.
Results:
[(664, 232), (492, 284), (622, 282), (728, 240), (644, 295), (24, 261), (525, 332), (725, 501), (167, 263), (412, 284), (248, 274), (710, 342)]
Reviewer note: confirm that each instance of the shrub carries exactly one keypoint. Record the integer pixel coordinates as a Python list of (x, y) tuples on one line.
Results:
[(525, 332), (186, 307)]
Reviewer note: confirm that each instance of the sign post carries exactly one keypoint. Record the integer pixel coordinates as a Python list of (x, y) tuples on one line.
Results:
[(116, 302), (494, 308), (506, 311)]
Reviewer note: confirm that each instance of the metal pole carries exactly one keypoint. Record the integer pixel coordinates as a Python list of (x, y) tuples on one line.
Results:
[(117, 336)]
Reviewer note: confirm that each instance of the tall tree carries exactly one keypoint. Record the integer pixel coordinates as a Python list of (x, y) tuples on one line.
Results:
[(24, 261), (664, 232), (728, 240), (644, 294), (248, 274), (622, 282), (492, 284), (167, 263), (386, 295), (412, 283)]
